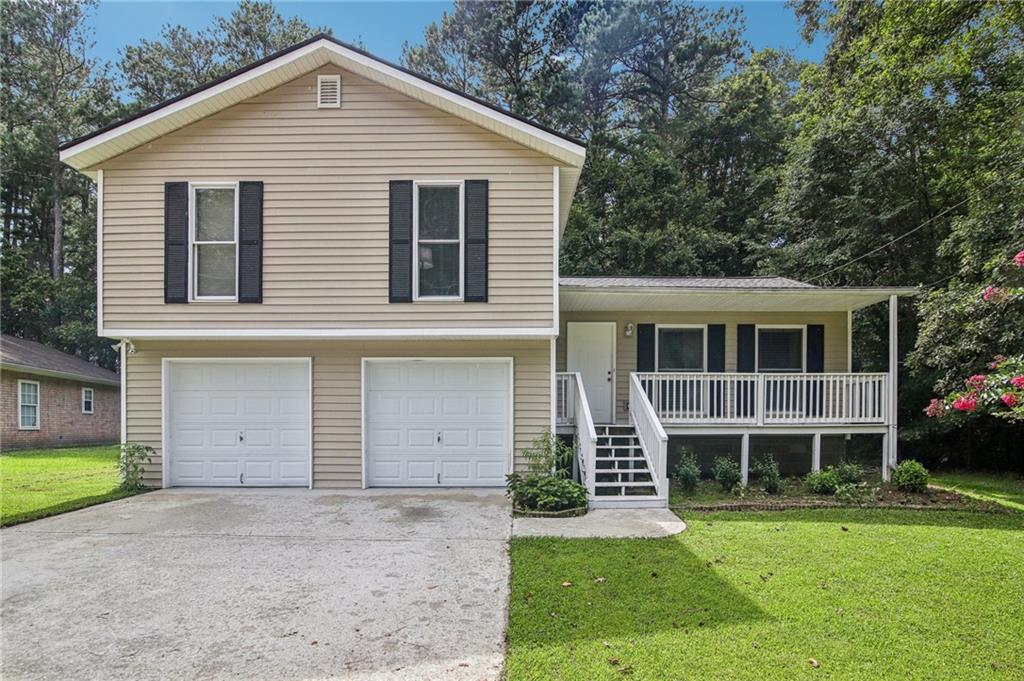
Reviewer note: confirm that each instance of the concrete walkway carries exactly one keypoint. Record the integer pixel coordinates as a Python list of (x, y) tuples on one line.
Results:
[(260, 584), (604, 523)]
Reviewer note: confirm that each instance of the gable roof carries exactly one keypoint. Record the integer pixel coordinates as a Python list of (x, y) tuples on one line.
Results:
[(18, 354), (292, 62)]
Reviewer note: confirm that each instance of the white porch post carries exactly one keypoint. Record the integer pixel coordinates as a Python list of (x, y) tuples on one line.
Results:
[(889, 457), (745, 457), (816, 452)]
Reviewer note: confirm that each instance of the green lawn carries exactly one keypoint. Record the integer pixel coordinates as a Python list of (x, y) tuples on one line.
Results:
[(1005, 489), (865, 593), (38, 483)]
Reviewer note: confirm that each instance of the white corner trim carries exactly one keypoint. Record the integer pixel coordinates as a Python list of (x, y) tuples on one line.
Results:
[(124, 393), (556, 246), (99, 253), (554, 389), (339, 334)]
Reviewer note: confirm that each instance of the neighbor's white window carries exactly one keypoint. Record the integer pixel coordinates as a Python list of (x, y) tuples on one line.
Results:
[(214, 220), (437, 234), (87, 395), (28, 405)]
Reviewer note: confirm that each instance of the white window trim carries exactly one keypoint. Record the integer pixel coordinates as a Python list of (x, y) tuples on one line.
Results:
[(416, 238), (657, 346), (757, 347), (92, 400), (39, 399), (331, 78), (192, 243)]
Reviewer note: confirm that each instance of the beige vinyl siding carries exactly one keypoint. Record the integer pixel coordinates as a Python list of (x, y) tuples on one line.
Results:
[(325, 174), (337, 366), (625, 348)]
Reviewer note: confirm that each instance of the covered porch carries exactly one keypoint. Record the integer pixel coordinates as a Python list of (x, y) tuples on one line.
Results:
[(742, 357)]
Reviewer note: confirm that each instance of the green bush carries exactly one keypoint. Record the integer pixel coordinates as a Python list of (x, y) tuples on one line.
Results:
[(727, 473), (822, 482), (545, 492), (849, 473), (548, 455), (130, 465), (767, 471), (852, 492), (910, 476), (687, 471)]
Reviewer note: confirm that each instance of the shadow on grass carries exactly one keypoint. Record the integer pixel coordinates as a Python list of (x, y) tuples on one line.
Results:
[(869, 516), (66, 506), (618, 589)]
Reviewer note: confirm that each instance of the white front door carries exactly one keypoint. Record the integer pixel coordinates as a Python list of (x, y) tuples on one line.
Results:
[(436, 423), (591, 352), (238, 423)]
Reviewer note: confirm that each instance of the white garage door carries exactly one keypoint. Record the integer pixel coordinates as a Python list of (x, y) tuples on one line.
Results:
[(431, 422), (238, 423)]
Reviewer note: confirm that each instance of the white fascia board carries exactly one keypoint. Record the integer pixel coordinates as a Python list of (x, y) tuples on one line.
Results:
[(335, 334)]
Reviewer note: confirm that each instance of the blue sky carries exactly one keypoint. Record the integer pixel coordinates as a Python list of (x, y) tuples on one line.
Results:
[(383, 26)]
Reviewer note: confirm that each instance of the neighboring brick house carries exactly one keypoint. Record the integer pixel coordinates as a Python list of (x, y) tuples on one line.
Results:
[(51, 399)]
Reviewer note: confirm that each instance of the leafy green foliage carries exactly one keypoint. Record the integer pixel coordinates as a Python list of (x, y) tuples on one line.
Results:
[(132, 463), (766, 470), (852, 492), (548, 455), (545, 493), (910, 476), (726, 472), (849, 473), (822, 482), (687, 471)]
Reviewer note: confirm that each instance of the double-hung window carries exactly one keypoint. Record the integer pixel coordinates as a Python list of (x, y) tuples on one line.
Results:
[(780, 350), (438, 233), (681, 348), (28, 405), (214, 231), (87, 400)]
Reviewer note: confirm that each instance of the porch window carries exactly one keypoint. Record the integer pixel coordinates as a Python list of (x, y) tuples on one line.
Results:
[(438, 233), (780, 350), (680, 349)]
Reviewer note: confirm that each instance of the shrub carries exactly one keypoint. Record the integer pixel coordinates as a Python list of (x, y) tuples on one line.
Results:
[(727, 473), (910, 476), (822, 482), (545, 492), (849, 473), (688, 471), (130, 465), (852, 492), (767, 471), (548, 455)]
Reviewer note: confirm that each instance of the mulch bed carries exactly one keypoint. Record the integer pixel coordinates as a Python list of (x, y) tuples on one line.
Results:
[(567, 513), (887, 498)]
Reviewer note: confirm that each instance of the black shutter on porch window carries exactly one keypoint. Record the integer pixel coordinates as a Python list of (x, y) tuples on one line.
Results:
[(176, 242), (716, 347), (400, 241), (815, 348), (746, 338), (645, 347), (250, 242), (476, 241)]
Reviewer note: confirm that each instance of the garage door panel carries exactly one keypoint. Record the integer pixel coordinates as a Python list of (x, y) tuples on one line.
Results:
[(437, 422), (239, 421)]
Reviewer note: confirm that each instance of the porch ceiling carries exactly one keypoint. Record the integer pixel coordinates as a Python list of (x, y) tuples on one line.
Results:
[(576, 298)]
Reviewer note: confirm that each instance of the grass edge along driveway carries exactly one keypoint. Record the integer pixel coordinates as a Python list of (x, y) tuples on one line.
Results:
[(837, 594), (43, 482)]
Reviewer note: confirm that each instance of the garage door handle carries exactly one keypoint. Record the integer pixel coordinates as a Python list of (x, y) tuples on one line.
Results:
[(241, 436)]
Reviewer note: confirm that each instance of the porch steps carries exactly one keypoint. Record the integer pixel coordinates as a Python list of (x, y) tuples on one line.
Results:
[(620, 468)]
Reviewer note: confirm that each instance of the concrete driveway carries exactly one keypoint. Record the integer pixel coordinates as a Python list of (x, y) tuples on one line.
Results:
[(260, 584)]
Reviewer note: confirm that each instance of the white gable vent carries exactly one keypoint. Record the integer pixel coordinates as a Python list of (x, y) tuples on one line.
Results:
[(328, 92)]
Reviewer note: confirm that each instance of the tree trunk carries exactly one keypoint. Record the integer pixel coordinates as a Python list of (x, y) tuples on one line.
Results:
[(57, 259)]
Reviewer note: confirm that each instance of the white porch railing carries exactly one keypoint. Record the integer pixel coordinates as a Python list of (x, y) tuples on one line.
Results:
[(586, 433), (766, 399), (652, 436), (565, 410)]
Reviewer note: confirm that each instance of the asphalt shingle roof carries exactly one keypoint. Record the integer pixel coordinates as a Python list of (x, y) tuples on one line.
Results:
[(25, 353)]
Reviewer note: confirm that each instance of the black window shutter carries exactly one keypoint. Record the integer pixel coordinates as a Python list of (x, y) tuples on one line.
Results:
[(176, 242), (400, 261), (475, 286), (746, 338), (716, 347), (815, 348), (250, 242), (645, 347)]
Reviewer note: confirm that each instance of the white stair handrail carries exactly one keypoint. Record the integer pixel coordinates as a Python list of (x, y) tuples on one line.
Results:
[(586, 435), (653, 438)]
